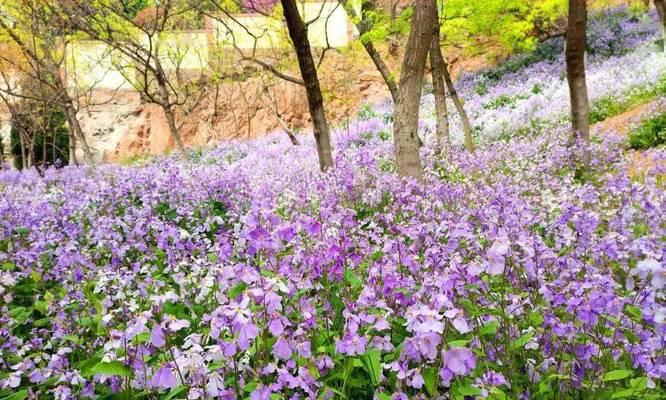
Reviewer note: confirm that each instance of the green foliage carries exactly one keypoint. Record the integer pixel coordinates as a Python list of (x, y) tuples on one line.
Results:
[(132, 7), (610, 106), (544, 51), (503, 101), (650, 133), (366, 111), (50, 144), (381, 25), (604, 108), (498, 25)]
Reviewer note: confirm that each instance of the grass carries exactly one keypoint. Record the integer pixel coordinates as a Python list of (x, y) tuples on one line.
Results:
[(650, 133), (610, 106)]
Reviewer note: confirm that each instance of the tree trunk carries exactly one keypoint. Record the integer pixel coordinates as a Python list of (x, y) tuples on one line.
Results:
[(53, 148), (439, 89), (457, 102), (406, 121), (364, 27), (44, 150), (72, 149), (77, 131), (165, 103), (299, 37), (289, 132), (575, 60), (661, 10), (71, 112), (23, 153), (173, 129)]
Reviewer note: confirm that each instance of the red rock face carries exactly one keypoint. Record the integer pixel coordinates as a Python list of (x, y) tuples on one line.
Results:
[(127, 127)]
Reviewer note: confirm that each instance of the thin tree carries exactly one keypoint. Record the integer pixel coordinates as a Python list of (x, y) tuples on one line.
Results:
[(299, 37), (575, 61), (660, 5), (460, 108), (39, 40), (439, 91), (145, 55), (364, 24), (406, 120)]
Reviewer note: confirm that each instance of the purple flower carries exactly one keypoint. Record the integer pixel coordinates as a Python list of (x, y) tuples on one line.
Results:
[(164, 379), (157, 337), (351, 344), (459, 360), (261, 393), (495, 256), (246, 334), (282, 349), (275, 327)]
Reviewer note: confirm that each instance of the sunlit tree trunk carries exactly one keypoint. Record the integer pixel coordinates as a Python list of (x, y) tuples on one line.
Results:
[(299, 37), (575, 60), (165, 103), (439, 89), (77, 132), (406, 121), (460, 108)]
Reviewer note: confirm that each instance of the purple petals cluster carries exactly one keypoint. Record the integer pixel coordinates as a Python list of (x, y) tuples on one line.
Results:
[(242, 272)]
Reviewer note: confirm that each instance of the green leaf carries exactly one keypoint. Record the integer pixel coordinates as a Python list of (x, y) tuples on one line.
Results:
[(41, 306), (634, 312), (431, 379), (266, 273), (250, 387), (522, 341), (623, 394), (468, 390), (73, 339), (20, 395), (8, 266), (617, 375), (377, 255), (458, 343), (497, 394), (113, 368), (21, 230), (175, 392), (352, 279), (142, 337), (237, 290), (20, 314), (87, 365), (639, 383), (489, 329), (373, 366)]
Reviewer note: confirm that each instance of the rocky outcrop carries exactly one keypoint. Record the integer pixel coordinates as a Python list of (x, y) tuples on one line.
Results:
[(119, 125)]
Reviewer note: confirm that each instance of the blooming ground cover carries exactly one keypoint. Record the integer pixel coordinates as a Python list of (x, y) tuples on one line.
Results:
[(622, 69), (242, 272)]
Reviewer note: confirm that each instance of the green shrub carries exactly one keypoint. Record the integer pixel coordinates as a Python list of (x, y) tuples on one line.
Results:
[(504, 101), (605, 107), (366, 111), (650, 133)]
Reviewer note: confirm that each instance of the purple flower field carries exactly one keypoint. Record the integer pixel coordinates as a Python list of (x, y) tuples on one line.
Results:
[(242, 272)]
